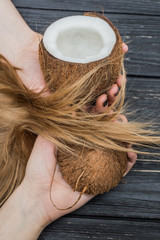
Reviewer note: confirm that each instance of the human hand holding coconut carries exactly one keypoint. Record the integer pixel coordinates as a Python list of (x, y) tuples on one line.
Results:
[(32, 77), (52, 189), (31, 72), (24, 55), (44, 183), (59, 119), (30, 57)]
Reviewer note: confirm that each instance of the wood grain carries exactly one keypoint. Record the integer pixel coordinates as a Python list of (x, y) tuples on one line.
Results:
[(101, 229), (150, 7), (142, 34)]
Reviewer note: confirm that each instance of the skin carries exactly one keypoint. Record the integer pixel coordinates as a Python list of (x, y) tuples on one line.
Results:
[(30, 204)]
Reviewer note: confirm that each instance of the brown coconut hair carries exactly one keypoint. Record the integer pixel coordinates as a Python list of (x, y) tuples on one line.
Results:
[(26, 114)]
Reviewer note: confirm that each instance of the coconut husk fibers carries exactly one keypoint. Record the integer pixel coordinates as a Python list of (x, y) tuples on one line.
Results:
[(96, 170)]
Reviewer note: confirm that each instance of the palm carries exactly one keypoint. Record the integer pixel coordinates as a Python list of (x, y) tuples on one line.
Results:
[(40, 170), (67, 193)]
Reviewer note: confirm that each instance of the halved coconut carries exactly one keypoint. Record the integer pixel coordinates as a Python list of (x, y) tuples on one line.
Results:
[(71, 47)]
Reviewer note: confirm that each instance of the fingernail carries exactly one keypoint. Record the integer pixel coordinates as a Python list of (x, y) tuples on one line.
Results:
[(105, 103), (125, 174), (124, 46), (118, 91)]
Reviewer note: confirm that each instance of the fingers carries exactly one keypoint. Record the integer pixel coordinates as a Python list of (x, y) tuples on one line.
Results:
[(101, 104), (120, 80), (132, 158), (104, 100), (112, 93), (124, 47), (114, 90), (122, 118)]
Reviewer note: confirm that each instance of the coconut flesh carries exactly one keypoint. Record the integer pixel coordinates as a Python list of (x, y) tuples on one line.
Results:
[(79, 39), (70, 48)]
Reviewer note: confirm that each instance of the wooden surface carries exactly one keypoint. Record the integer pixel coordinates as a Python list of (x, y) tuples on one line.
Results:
[(131, 211)]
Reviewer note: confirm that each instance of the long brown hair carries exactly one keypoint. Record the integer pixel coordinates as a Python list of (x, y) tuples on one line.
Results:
[(24, 114)]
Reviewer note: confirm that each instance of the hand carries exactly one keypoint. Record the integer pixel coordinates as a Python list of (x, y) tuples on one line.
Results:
[(132, 157), (31, 203), (106, 100), (42, 177), (42, 162), (42, 167)]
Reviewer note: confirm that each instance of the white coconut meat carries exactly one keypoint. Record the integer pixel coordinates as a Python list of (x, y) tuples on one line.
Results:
[(79, 39)]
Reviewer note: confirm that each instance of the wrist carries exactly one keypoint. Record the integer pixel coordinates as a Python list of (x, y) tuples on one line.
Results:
[(30, 206), (43, 210), (21, 217)]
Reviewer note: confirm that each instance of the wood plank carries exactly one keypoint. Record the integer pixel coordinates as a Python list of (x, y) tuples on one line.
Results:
[(144, 26), (138, 196), (149, 7), (143, 58), (143, 96), (68, 228)]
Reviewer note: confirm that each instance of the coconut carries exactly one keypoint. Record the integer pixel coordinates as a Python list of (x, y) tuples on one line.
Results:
[(95, 171), (71, 47)]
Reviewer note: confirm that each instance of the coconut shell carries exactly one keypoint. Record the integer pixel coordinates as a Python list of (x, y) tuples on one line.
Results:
[(61, 71), (97, 171)]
